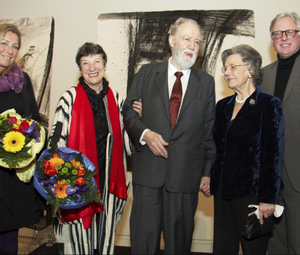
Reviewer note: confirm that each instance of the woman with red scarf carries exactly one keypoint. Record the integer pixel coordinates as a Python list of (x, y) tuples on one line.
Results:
[(88, 119)]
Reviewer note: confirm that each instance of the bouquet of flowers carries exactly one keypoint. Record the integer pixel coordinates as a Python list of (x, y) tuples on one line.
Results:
[(20, 140), (64, 177)]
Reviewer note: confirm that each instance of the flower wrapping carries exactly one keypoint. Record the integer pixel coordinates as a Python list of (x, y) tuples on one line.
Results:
[(64, 177), (21, 139)]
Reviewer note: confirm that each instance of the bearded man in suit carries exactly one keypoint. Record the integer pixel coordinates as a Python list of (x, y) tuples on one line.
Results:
[(282, 79), (173, 156)]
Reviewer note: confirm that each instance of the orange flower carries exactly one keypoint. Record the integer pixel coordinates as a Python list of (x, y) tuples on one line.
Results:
[(56, 161), (76, 164), (61, 189)]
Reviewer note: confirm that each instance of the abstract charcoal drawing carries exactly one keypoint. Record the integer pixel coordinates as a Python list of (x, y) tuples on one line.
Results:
[(35, 56), (144, 37)]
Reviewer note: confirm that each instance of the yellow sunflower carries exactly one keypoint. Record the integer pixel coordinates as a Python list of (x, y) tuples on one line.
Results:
[(13, 141), (61, 189)]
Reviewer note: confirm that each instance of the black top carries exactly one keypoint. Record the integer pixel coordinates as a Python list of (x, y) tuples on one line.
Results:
[(284, 69), (20, 203)]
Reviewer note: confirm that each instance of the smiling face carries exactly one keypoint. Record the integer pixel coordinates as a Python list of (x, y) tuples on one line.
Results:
[(285, 46), (185, 45), (92, 68), (237, 77), (9, 49)]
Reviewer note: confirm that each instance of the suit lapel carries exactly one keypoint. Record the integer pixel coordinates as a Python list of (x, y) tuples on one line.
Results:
[(193, 86), (161, 84), (292, 80), (272, 79)]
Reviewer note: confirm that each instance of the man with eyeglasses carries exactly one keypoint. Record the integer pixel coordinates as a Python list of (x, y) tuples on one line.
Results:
[(282, 79)]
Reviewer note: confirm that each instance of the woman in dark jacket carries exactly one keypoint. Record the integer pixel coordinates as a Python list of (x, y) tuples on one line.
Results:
[(249, 136), (20, 204)]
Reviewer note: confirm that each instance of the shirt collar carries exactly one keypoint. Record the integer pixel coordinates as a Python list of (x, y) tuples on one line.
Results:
[(172, 70)]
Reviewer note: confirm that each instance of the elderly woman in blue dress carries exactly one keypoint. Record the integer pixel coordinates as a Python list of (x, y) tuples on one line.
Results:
[(249, 136)]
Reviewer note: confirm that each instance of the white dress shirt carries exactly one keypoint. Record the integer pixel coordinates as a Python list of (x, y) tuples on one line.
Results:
[(171, 80)]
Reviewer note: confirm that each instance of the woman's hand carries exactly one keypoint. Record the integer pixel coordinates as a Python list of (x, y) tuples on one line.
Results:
[(137, 106), (265, 211)]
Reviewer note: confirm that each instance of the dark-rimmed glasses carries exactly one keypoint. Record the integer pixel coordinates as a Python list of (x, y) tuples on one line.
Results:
[(289, 33)]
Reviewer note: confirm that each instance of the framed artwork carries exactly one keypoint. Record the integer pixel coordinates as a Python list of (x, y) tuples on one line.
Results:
[(133, 39)]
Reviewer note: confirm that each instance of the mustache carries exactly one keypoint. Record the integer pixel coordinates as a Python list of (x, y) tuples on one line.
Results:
[(190, 52)]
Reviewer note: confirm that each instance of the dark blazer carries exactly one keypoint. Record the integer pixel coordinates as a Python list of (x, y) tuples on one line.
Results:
[(291, 112), (191, 148), (249, 148)]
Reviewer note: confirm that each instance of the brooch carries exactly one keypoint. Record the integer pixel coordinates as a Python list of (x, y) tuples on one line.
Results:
[(252, 101)]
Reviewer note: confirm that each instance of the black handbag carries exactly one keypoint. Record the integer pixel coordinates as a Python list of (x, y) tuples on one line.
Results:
[(254, 229)]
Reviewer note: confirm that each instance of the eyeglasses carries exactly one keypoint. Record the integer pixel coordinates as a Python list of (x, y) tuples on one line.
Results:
[(289, 33), (230, 67)]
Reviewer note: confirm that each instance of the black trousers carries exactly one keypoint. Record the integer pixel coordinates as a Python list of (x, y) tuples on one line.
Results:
[(9, 242), (229, 220), (155, 211)]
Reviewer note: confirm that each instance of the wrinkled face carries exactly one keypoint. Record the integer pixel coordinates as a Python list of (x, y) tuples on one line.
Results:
[(285, 46), (185, 46), (9, 49), (236, 74), (92, 68)]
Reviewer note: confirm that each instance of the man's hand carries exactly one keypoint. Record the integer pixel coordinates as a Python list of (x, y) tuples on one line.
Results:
[(156, 144), (205, 186)]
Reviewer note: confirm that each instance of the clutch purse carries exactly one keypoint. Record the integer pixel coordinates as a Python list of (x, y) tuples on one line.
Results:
[(254, 229)]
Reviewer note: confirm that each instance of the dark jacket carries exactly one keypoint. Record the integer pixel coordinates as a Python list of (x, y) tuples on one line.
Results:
[(191, 148), (249, 148), (20, 203)]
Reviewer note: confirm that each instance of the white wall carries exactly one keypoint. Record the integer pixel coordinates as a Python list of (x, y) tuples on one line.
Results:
[(76, 23)]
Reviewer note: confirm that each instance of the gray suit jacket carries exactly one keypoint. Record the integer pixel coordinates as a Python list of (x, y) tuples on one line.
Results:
[(291, 113), (191, 148)]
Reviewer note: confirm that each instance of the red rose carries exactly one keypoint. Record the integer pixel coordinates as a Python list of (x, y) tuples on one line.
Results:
[(12, 120), (49, 168), (80, 172), (24, 125), (80, 181)]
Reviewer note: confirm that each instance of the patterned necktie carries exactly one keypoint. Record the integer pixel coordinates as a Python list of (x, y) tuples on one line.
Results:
[(175, 99)]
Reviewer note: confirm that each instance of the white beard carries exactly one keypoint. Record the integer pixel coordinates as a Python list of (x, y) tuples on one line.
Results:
[(182, 61)]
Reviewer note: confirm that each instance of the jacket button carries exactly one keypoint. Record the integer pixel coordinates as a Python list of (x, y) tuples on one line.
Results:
[(171, 142)]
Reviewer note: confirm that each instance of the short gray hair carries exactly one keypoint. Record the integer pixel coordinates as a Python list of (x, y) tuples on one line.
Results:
[(294, 16), (174, 27), (250, 57)]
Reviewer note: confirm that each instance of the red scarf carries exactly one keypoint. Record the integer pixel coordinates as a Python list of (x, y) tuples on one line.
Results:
[(82, 137)]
